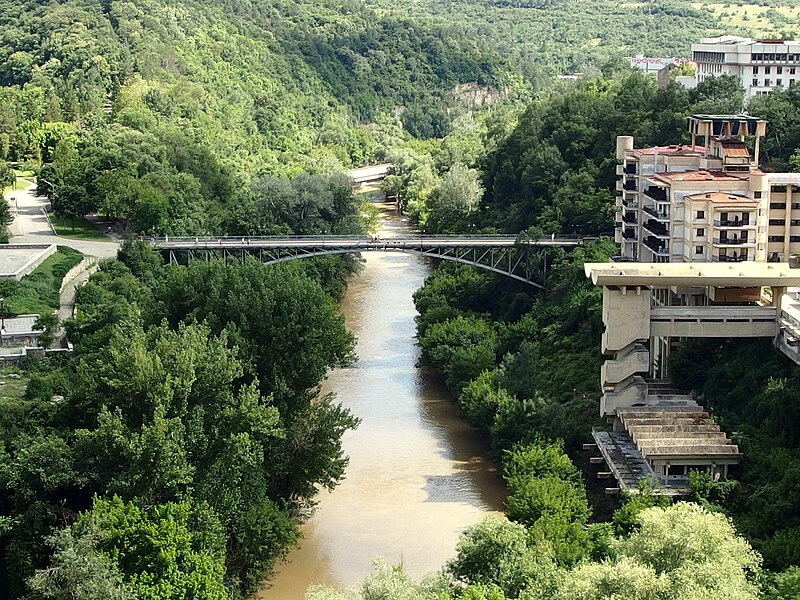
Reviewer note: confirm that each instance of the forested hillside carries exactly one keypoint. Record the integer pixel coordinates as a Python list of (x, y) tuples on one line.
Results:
[(548, 37), (194, 100)]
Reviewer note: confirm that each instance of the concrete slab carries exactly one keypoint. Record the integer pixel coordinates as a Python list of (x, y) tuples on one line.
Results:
[(18, 260)]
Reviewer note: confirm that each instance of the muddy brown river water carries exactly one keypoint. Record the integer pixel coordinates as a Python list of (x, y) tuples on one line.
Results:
[(418, 475)]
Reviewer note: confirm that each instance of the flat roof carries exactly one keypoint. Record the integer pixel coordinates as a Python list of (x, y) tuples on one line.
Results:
[(785, 178), (701, 175), (718, 274), (739, 117), (17, 260), (677, 150), (734, 40), (720, 197)]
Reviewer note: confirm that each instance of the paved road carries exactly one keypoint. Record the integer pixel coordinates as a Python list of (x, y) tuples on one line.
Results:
[(31, 226)]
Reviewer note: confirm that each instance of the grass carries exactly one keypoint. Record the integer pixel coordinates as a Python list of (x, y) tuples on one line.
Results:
[(38, 293), (83, 229), (13, 405), (24, 179), (12, 390)]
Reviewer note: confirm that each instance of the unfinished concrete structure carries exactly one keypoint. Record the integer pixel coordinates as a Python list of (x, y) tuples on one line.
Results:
[(660, 433)]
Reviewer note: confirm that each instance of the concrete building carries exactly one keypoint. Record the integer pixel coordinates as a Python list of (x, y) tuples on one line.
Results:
[(706, 200), (761, 65), (660, 433)]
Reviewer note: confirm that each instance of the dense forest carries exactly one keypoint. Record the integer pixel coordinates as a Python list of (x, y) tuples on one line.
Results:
[(170, 456)]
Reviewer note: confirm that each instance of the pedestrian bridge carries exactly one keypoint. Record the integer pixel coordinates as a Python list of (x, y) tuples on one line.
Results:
[(514, 256)]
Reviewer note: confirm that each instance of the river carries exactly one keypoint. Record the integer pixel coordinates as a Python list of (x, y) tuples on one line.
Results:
[(418, 475)]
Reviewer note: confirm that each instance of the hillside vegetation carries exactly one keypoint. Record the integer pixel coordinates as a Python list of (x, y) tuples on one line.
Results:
[(168, 458), (547, 37)]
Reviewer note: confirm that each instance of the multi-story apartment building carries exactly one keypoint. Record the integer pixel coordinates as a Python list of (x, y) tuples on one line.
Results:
[(707, 200), (761, 65)]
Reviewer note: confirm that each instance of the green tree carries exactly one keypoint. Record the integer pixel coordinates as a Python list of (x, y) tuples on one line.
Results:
[(77, 570), (386, 582), (71, 202), (159, 551), (721, 95), (6, 175), (496, 551), (460, 348), (48, 324), (453, 200), (785, 585)]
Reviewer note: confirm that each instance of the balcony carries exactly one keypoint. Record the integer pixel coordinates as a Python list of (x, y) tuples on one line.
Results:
[(656, 228), (629, 217), (732, 241), (661, 215), (630, 169), (629, 234), (656, 193), (657, 247), (629, 186), (732, 223), (726, 258)]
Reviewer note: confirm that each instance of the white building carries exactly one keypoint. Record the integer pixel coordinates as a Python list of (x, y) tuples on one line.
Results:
[(761, 65)]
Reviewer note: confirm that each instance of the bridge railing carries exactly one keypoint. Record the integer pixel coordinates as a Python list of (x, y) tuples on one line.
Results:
[(179, 240)]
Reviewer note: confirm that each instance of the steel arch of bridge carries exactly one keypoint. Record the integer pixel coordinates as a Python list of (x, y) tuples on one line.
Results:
[(507, 255)]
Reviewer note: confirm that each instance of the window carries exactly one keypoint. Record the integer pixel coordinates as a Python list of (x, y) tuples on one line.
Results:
[(780, 222), (795, 223), (701, 233), (698, 249), (794, 238), (795, 205), (792, 70), (767, 82), (757, 195), (767, 70), (778, 189), (777, 205), (700, 214), (779, 70), (779, 83), (776, 238), (755, 70), (755, 82), (677, 470)]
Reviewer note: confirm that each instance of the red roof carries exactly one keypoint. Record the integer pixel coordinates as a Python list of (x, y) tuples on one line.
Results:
[(722, 197)]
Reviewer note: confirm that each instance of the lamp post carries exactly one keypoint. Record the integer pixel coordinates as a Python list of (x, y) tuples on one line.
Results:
[(50, 183), (2, 318)]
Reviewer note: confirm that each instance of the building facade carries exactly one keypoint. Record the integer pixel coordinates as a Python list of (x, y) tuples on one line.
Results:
[(706, 201), (761, 65)]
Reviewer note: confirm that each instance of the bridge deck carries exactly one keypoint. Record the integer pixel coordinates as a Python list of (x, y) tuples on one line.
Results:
[(359, 243)]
